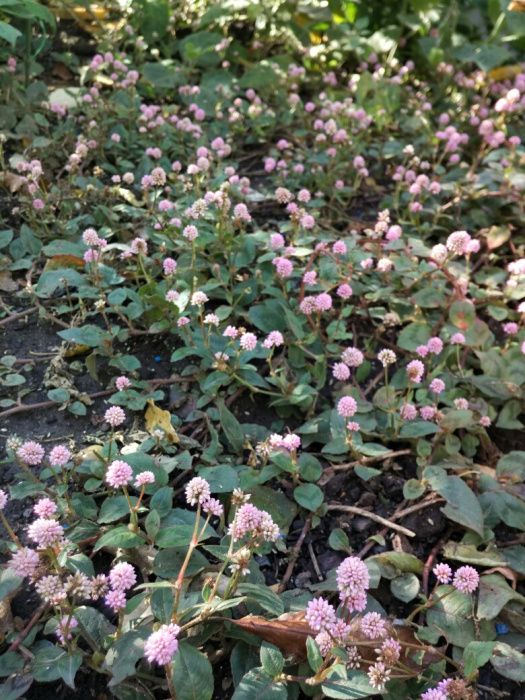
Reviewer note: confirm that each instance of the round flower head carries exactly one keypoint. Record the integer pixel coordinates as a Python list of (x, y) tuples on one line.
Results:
[(415, 371), (352, 577), (352, 357), (115, 599), (162, 645), (443, 573), (45, 532), (122, 383), (273, 340), (59, 456), (31, 453), (437, 386), (118, 474), (458, 242), (45, 508), (122, 576), (144, 478), (378, 675), (466, 579), (24, 562), (197, 491), (64, 631), (248, 341), (386, 357), (320, 615), (434, 694), (340, 371), (372, 625), (344, 291), (346, 406), (213, 506), (408, 411), (114, 416)]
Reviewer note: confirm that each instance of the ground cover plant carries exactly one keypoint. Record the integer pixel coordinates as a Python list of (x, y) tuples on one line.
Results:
[(263, 292)]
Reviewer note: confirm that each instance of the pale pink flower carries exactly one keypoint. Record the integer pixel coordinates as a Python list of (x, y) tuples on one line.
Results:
[(3, 499), (435, 345), (415, 370), (122, 383), (323, 302), (118, 474), (283, 267), (144, 478), (115, 416), (213, 506), (273, 339), (372, 625), (122, 576), (45, 508), (485, 421), (443, 573), (427, 412), (24, 562), (344, 291), (408, 411), (352, 357), (45, 532), (458, 242), (169, 266), (346, 406), (197, 491), (341, 371), (320, 615), (457, 339), (162, 645), (248, 341), (437, 386), (115, 599), (466, 579), (31, 453), (65, 627)]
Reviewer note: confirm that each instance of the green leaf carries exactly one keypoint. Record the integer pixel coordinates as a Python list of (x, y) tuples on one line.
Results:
[(192, 674), (162, 74), (314, 655), (508, 662), (309, 496), (119, 537), (114, 508), (176, 536), (418, 428), (393, 564), (86, 335), (494, 594), (338, 540), (263, 596), (272, 660), (475, 655), (222, 479), (68, 665), (10, 662), (123, 655), (162, 601), (351, 688), (282, 510), (9, 33), (16, 686), (93, 624), (451, 617), (231, 427), (462, 506), (405, 587), (167, 563), (9, 582), (258, 685)]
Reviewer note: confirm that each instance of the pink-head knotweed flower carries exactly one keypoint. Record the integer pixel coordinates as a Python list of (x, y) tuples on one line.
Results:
[(485, 422), (346, 406), (190, 232), (45, 532), (122, 576), (169, 266), (24, 562), (422, 350), (115, 599), (443, 573), (434, 694), (408, 411), (59, 456), (415, 370), (144, 478), (198, 298), (340, 371), (339, 248), (291, 442), (213, 506), (457, 339), (353, 580), (274, 339), (31, 453), (118, 474), (45, 508), (197, 491), (427, 412), (255, 523), (323, 302), (386, 357), (389, 652), (435, 345), (276, 241), (241, 213), (344, 291), (248, 341), (458, 242), (373, 626), (51, 590), (283, 267), (437, 386), (352, 357), (161, 646), (320, 615), (378, 675), (466, 579), (122, 383), (171, 296), (115, 416)]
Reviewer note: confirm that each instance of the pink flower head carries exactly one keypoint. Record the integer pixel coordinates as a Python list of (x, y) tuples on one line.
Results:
[(415, 370), (307, 221), (466, 579), (435, 345), (320, 615), (434, 694), (64, 631), (118, 474), (197, 491), (122, 383), (344, 291), (339, 248), (458, 242), (372, 625), (341, 371), (190, 232), (422, 350), (427, 412), (115, 416), (253, 522), (248, 341), (162, 645), (144, 478), (283, 267), (408, 411), (230, 332), (352, 357), (45, 532), (485, 421), (323, 302), (510, 328), (31, 453), (443, 573), (24, 562), (45, 508), (169, 266), (273, 339), (276, 241), (115, 599), (437, 386), (353, 426), (457, 339), (213, 506), (291, 442), (122, 576), (346, 406)]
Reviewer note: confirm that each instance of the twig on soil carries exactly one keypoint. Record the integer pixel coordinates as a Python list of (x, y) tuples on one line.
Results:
[(294, 554), (19, 314), (23, 407), (369, 460), (428, 564), (372, 516), (27, 629), (314, 562)]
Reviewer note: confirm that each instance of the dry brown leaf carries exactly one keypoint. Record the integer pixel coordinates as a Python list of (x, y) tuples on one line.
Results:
[(11, 181), (505, 571), (504, 73), (516, 6), (156, 417), (59, 261), (290, 631), (7, 283)]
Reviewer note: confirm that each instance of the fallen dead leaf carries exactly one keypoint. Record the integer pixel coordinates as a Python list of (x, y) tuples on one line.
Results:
[(156, 417), (7, 283), (11, 181)]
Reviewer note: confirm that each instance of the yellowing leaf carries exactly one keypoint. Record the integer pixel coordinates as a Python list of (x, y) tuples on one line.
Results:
[(505, 72), (159, 418), (76, 349), (517, 6)]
